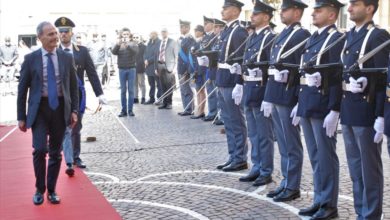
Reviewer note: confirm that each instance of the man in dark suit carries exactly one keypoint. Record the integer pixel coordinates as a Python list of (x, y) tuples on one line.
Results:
[(84, 64), (150, 61), (49, 76), (166, 61)]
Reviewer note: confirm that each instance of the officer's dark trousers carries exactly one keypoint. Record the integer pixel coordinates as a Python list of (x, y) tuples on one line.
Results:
[(76, 138), (153, 80), (48, 123), (167, 80)]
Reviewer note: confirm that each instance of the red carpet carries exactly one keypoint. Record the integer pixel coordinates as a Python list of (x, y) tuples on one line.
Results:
[(79, 197)]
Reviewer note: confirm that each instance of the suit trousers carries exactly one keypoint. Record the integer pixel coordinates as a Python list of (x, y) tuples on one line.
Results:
[(48, 123), (167, 80), (260, 133), (290, 147), (235, 127), (153, 83), (324, 162), (211, 99), (366, 170), (186, 92), (139, 84), (72, 141)]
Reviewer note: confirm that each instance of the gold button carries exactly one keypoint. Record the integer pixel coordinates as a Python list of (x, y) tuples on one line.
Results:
[(347, 52)]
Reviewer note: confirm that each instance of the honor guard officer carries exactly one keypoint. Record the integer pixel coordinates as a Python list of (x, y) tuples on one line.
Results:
[(230, 87), (260, 129), (207, 43), (362, 107), (319, 106), (83, 63), (185, 67), (281, 97)]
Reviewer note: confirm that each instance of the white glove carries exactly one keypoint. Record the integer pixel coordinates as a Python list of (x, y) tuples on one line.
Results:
[(313, 79), (293, 115), (379, 127), (266, 108), (237, 94), (235, 69), (102, 99), (281, 76), (203, 61), (256, 72), (358, 86), (330, 123)]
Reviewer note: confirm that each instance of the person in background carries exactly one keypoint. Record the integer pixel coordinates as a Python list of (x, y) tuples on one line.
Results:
[(150, 60), (140, 69)]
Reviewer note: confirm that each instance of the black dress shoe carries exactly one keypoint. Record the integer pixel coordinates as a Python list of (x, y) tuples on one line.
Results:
[(136, 101), (168, 106), (218, 122), (275, 192), (69, 170), (184, 113), (250, 177), (262, 180), (131, 114), (149, 102), (79, 163), (38, 198), (235, 167), (325, 213), (209, 118), (143, 101), (197, 116), (122, 114), (53, 198), (287, 195), (219, 167), (310, 210), (162, 106)]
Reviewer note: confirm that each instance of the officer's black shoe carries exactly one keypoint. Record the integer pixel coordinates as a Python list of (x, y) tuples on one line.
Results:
[(162, 106), (197, 116), (275, 192), (250, 177), (79, 163), (219, 167), (184, 113), (131, 114), (169, 106), (143, 101), (122, 114), (53, 198), (209, 118), (325, 213), (218, 122), (235, 167), (69, 170), (38, 198), (310, 210), (149, 102), (287, 195), (136, 100), (262, 180)]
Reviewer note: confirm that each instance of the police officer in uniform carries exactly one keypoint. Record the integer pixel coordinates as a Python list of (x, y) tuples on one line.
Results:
[(281, 97), (319, 106), (362, 108), (255, 80), (185, 67), (83, 63), (230, 87)]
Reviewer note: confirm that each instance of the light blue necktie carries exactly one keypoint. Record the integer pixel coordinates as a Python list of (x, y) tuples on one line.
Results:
[(51, 83)]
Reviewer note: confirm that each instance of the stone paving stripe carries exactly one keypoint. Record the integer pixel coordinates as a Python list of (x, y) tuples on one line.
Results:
[(188, 171), (113, 178), (124, 127), (176, 208), (288, 207), (8, 134)]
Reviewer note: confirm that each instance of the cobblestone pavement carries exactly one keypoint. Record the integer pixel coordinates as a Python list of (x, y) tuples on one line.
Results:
[(163, 167)]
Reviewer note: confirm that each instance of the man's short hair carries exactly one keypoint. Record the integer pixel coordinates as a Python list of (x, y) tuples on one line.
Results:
[(125, 29), (41, 26)]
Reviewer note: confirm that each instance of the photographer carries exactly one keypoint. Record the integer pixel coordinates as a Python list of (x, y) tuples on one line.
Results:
[(126, 50)]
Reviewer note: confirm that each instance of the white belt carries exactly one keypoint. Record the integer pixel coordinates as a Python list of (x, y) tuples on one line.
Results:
[(271, 72), (346, 87), (224, 66), (252, 78)]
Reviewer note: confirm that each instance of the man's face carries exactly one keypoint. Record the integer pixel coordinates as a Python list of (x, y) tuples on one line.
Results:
[(228, 13), (49, 37), (358, 11), (321, 16), (8, 42), (208, 26), (94, 37), (257, 19), (125, 36), (198, 34), (104, 38), (65, 35), (218, 29), (164, 34), (184, 29), (287, 15)]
